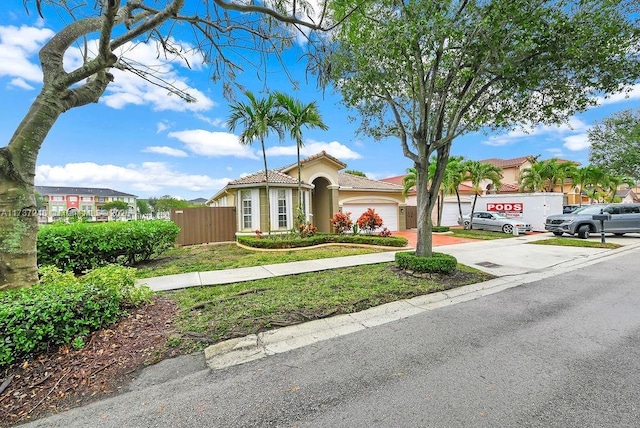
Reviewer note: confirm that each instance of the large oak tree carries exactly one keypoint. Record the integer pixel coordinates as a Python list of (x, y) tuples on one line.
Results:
[(217, 28), (426, 72)]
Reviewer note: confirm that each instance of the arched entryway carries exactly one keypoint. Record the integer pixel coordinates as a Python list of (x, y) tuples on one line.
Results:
[(321, 204)]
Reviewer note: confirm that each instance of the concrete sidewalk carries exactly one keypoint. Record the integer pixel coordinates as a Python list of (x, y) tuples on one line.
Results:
[(499, 257)]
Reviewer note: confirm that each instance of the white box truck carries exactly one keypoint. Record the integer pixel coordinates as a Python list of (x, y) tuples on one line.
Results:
[(534, 208)]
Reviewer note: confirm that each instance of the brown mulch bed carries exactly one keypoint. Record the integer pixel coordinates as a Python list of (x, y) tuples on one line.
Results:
[(67, 378)]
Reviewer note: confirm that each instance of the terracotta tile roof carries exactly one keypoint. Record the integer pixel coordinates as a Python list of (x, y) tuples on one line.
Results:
[(311, 158), (275, 177), (361, 183), (509, 188), (394, 180), (507, 163)]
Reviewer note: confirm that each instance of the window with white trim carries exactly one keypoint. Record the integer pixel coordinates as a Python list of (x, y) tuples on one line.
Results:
[(281, 208), (246, 208)]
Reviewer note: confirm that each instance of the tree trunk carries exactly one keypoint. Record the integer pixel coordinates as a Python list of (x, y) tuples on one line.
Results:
[(299, 207), (18, 211), (427, 196), (266, 179), (473, 209), (19, 225), (459, 203)]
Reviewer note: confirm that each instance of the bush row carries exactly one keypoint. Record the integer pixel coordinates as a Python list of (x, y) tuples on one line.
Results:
[(288, 241), (79, 247), (62, 309), (438, 262)]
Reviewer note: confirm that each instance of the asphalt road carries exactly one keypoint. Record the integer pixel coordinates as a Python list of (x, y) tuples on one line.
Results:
[(561, 352)]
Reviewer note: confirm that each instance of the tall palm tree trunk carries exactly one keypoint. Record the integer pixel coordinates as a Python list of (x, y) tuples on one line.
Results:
[(266, 182)]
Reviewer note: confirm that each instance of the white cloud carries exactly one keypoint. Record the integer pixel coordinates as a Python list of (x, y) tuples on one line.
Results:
[(17, 46), (146, 177), (574, 125), (633, 94), (213, 144), (19, 82), (162, 126), (313, 147), (216, 122), (164, 150), (577, 142)]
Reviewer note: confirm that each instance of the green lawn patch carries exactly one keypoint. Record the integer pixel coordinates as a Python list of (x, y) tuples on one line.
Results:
[(202, 258), (479, 234), (572, 242), (211, 314)]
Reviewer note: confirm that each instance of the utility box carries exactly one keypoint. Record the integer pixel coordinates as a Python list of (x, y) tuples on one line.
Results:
[(533, 208)]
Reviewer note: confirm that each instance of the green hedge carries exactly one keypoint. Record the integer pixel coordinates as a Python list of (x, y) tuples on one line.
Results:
[(79, 247), (438, 262), (62, 309), (294, 241), (440, 229)]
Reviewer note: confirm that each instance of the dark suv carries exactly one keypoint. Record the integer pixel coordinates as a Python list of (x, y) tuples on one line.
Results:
[(625, 218)]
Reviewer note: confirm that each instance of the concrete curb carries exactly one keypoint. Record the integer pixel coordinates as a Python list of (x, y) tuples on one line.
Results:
[(241, 350)]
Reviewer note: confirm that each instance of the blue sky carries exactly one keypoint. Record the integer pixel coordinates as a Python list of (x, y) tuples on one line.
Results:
[(140, 140)]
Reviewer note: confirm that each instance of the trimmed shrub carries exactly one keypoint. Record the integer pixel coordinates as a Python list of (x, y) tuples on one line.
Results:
[(438, 262), (369, 221), (79, 247), (62, 309), (440, 229), (288, 241), (341, 222)]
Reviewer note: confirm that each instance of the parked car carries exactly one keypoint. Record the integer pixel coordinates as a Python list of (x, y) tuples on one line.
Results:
[(489, 220), (568, 209), (625, 218)]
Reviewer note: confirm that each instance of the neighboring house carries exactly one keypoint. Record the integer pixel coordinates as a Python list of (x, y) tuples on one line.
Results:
[(87, 201), (325, 191), (511, 169), (198, 201), (450, 212), (627, 196)]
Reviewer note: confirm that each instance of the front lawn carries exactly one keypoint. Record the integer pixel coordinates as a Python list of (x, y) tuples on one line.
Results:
[(202, 258), (573, 242), (211, 314), (479, 234)]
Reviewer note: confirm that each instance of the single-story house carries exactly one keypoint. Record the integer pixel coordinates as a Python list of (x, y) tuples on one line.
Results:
[(325, 191)]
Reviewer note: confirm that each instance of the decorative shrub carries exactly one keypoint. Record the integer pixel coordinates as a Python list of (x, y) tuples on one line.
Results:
[(440, 229), (62, 308), (307, 230), (369, 221), (385, 233), (297, 241), (341, 222), (79, 247), (438, 262)]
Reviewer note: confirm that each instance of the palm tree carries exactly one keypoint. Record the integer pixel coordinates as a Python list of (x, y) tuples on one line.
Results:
[(597, 182), (454, 176), (452, 173), (258, 118), (614, 182), (534, 178), (580, 178), (478, 172), (297, 115), (409, 181)]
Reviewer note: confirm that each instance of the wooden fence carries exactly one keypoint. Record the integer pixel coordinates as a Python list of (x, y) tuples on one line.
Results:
[(203, 225)]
